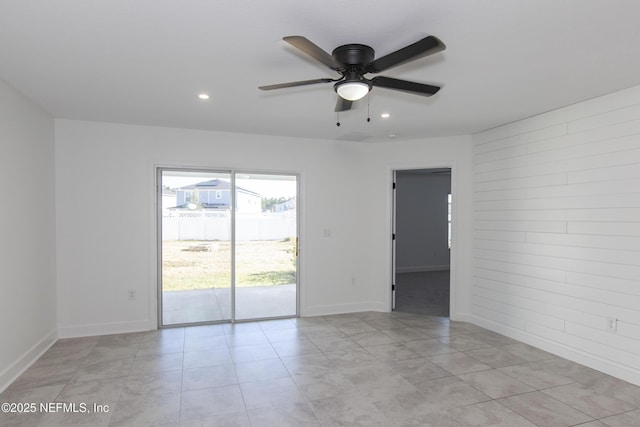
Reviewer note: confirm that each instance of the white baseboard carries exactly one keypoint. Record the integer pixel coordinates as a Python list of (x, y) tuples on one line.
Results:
[(103, 329), (16, 369), (325, 310), (606, 366), (462, 317), (422, 269)]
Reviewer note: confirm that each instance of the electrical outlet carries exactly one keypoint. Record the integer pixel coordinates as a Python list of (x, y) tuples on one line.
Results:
[(612, 324), (131, 294)]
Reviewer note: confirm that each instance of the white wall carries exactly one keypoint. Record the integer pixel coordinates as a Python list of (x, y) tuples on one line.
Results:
[(375, 249), (97, 265), (346, 271), (27, 230), (422, 221), (557, 231)]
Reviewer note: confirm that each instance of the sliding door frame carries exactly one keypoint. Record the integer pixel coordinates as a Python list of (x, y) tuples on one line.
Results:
[(158, 239)]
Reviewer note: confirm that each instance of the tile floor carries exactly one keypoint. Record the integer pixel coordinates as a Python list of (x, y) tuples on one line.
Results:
[(425, 292), (363, 369)]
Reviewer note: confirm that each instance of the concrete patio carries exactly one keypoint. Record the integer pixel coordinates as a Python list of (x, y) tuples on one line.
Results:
[(210, 305)]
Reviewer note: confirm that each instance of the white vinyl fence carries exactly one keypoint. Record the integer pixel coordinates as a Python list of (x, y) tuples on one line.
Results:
[(216, 225)]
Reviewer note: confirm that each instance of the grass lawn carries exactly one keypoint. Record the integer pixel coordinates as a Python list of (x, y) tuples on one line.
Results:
[(195, 264)]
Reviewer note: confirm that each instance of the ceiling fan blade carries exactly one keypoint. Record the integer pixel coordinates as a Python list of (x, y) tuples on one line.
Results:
[(405, 86), (343, 104), (308, 47), (293, 84), (427, 46)]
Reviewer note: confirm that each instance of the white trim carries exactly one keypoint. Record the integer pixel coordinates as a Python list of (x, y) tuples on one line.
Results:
[(154, 249), (622, 372), (464, 317), (104, 329), (16, 369), (453, 258), (325, 310)]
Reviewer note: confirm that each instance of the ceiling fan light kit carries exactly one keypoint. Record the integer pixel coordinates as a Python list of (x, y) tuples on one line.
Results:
[(353, 61), (352, 90)]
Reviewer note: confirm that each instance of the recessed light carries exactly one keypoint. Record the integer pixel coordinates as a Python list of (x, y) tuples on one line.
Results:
[(385, 115), (203, 96)]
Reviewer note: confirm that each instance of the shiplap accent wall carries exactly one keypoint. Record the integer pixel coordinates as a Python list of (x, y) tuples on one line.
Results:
[(557, 231)]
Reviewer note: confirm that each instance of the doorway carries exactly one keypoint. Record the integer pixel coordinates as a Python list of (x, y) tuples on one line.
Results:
[(422, 241), (227, 246)]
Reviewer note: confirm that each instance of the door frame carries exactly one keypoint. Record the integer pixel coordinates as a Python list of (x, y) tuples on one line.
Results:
[(157, 239), (391, 206)]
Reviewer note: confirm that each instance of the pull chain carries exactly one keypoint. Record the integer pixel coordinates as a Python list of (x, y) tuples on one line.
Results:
[(368, 110), (338, 118)]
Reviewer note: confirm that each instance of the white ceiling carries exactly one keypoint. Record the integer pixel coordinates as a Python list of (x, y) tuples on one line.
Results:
[(145, 61)]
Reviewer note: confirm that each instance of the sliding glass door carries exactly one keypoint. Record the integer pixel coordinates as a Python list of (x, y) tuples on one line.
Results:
[(227, 246), (266, 246)]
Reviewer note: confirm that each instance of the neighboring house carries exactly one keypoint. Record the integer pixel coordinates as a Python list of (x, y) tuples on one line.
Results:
[(216, 194), (168, 198), (287, 205)]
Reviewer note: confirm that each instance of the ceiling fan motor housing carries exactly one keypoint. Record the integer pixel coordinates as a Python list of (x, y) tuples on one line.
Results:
[(353, 54)]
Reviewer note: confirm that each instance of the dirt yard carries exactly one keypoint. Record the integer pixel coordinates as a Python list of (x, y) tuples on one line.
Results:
[(195, 264)]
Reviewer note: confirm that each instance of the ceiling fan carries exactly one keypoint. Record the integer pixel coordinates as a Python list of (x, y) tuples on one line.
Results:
[(353, 61)]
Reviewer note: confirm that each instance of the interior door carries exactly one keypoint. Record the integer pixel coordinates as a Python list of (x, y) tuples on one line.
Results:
[(422, 224), (393, 242)]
